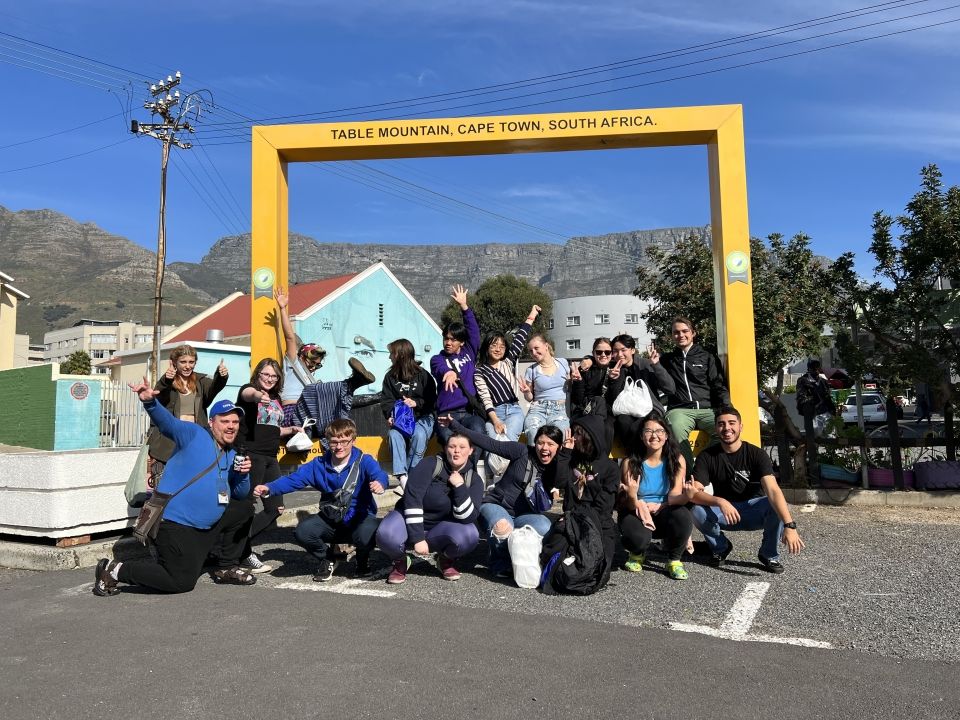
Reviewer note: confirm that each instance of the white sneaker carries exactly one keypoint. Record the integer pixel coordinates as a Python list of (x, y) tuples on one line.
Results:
[(254, 565)]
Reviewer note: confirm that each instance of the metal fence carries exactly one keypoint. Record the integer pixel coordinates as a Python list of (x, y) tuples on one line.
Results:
[(123, 421)]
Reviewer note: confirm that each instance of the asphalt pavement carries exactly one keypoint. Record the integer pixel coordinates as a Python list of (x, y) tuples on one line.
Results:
[(878, 587)]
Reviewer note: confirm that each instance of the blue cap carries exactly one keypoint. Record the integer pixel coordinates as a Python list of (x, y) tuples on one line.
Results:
[(222, 407)]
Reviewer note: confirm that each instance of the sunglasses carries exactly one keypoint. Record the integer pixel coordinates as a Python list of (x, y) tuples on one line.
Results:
[(602, 353)]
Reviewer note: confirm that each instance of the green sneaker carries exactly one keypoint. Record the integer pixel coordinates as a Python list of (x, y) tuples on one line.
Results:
[(676, 570), (634, 563)]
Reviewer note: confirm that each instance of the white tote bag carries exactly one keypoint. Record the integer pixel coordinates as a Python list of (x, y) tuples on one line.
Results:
[(524, 545), (301, 442), (633, 400)]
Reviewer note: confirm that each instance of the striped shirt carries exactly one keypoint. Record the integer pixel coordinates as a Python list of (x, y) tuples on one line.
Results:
[(497, 384)]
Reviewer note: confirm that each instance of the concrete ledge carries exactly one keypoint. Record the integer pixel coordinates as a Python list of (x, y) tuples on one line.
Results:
[(873, 498)]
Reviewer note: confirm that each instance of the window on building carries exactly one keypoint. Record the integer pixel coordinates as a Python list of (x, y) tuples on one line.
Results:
[(573, 321), (550, 324), (99, 354), (380, 314), (601, 319), (140, 339), (573, 344), (103, 338), (631, 319)]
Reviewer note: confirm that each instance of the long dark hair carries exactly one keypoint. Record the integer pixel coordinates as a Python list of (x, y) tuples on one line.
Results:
[(404, 364), (488, 340), (275, 391), (669, 455)]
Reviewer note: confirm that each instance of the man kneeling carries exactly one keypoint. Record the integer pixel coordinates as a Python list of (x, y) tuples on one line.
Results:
[(347, 480), (209, 508), (745, 496)]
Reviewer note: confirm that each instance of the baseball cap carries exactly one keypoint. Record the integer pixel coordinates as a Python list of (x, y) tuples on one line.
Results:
[(222, 407)]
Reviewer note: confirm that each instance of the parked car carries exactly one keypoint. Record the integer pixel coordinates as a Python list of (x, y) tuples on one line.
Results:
[(874, 408)]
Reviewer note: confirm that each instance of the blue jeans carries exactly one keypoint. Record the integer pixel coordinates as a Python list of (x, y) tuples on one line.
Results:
[(545, 412), (499, 553), (755, 514), (510, 415), (407, 452)]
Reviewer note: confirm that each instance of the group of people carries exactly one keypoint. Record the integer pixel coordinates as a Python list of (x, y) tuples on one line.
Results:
[(484, 483)]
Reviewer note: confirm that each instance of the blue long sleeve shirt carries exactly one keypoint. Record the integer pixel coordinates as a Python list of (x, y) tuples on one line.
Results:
[(321, 475), (197, 506)]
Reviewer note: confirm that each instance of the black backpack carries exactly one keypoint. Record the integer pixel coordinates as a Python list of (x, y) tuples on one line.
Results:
[(573, 557)]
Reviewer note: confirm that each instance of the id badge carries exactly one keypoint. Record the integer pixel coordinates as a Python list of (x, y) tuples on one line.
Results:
[(223, 497)]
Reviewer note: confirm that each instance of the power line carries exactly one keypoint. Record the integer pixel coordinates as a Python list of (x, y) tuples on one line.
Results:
[(68, 157), (62, 132)]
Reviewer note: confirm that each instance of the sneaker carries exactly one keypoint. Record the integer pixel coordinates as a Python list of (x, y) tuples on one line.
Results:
[(325, 571), (771, 566), (254, 564), (233, 576), (399, 572), (634, 562), (103, 583), (362, 569), (361, 376), (447, 568), (676, 570), (718, 559)]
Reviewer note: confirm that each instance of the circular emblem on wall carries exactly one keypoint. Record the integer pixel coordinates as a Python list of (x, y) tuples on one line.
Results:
[(79, 391), (262, 278), (737, 262)]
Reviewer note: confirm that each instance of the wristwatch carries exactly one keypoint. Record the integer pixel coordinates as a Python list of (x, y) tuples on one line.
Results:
[(792, 525)]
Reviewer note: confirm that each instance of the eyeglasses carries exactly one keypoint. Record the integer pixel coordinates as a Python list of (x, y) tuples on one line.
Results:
[(338, 443), (655, 433), (602, 353), (265, 376)]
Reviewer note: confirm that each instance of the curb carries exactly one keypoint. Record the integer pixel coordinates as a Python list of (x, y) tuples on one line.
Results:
[(858, 497)]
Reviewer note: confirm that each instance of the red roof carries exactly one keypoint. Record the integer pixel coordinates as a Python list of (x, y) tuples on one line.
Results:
[(234, 317)]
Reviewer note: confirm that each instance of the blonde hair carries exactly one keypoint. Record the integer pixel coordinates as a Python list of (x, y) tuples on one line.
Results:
[(181, 385), (542, 338)]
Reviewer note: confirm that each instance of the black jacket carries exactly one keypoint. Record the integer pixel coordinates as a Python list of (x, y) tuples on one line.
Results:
[(654, 375), (422, 390), (590, 386), (698, 379)]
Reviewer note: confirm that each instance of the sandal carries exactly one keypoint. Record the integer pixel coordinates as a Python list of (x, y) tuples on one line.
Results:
[(233, 576)]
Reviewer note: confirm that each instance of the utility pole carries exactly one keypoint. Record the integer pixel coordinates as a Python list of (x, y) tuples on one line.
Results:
[(173, 114)]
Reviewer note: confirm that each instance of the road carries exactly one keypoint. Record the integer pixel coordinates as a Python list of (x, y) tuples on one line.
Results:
[(878, 587)]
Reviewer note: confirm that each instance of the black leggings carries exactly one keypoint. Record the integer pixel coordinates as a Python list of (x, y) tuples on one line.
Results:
[(265, 469), (182, 551), (674, 525)]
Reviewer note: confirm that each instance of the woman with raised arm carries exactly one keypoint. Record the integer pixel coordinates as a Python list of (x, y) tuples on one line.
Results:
[(454, 366), (496, 379), (511, 502), (186, 394), (544, 385), (303, 395), (646, 374), (652, 502), (409, 383)]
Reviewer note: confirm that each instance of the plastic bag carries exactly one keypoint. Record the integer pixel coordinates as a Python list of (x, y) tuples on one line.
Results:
[(403, 418), (301, 442), (633, 400), (497, 464), (136, 487), (524, 545)]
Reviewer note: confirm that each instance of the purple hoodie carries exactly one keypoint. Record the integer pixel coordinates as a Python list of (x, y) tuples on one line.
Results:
[(464, 362)]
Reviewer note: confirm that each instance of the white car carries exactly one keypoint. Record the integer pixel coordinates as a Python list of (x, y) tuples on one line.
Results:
[(874, 408)]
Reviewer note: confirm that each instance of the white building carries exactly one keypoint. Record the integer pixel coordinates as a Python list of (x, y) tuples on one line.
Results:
[(577, 321), (100, 339)]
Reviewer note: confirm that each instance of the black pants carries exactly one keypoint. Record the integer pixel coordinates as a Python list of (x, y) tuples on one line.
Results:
[(626, 429), (314, 534), (182, 551), (265, 469), (674, 525)]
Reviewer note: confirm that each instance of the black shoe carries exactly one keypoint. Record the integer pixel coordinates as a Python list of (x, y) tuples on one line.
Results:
[(718, 559), (363, 568), (325, 571), (103, 583), (771, 566), (360, 377)]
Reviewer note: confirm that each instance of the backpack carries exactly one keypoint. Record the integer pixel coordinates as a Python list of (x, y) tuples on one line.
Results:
[(573, 558), (334, 508), (438, 468)]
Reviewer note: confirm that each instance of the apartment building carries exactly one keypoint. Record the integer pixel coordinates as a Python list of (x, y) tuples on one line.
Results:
[(577, 321), (100, 339)]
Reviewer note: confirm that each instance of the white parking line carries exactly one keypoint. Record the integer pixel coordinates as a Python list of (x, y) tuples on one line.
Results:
[(736, 625), (347, 587)]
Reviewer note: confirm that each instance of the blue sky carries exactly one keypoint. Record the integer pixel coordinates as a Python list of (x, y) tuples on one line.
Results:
[(831, 135)]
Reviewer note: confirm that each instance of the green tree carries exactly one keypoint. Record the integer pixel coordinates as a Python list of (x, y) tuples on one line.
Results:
[(906, 322), (77, 364), (503, 302), (792, 298)]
